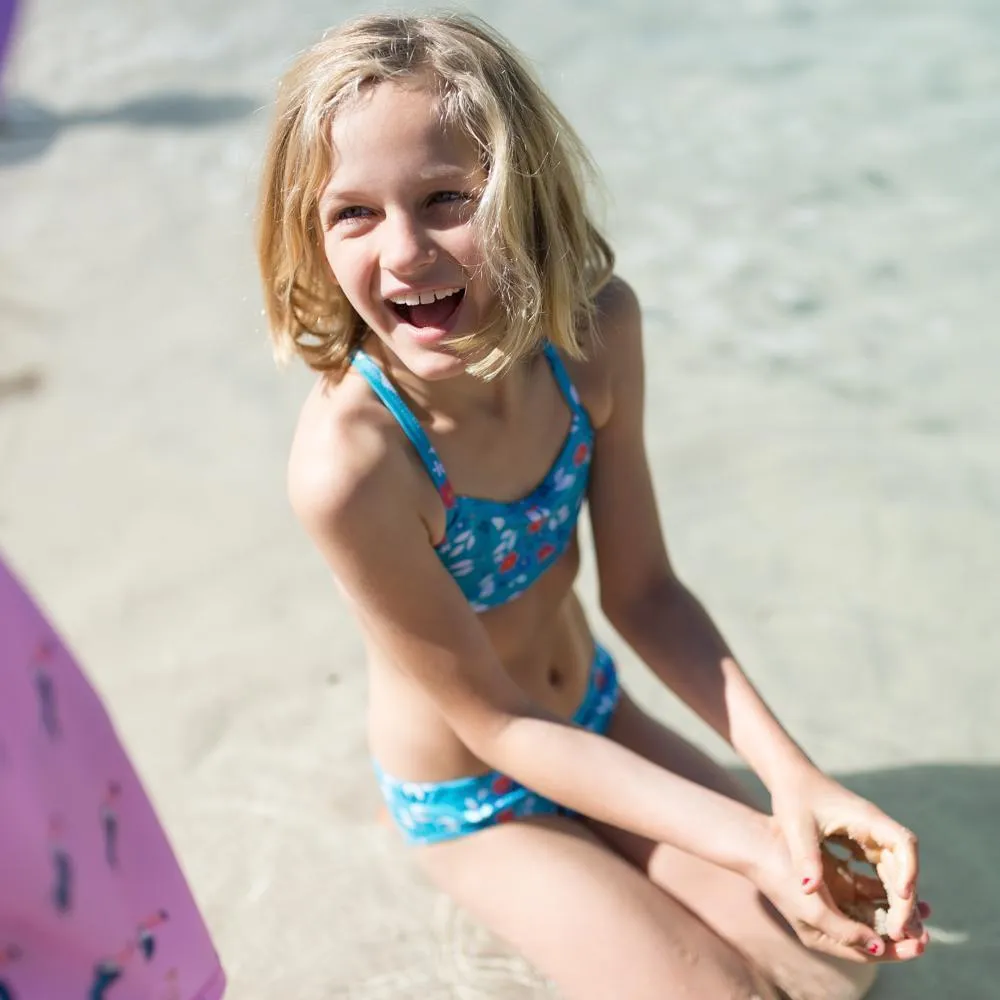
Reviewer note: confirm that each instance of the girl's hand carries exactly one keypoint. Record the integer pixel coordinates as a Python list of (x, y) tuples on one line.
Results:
[(817, 917), (814, 808)]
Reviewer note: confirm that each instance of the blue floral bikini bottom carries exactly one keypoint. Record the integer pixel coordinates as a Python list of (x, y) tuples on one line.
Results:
[(430, 811)]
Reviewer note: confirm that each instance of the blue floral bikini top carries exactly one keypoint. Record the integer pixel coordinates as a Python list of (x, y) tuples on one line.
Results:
[(495, 551)]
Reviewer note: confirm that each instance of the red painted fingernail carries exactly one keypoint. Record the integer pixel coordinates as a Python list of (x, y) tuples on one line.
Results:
[(924, 909), (874, 948), (807, 881)]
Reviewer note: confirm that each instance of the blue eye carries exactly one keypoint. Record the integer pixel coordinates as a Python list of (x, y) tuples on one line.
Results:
[(351, 212), (449, 196)]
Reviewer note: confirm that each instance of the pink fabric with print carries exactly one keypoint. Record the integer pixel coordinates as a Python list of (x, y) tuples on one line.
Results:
[(93, 903)]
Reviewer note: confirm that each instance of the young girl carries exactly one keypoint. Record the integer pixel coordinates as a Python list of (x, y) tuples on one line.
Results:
[(425, 247)]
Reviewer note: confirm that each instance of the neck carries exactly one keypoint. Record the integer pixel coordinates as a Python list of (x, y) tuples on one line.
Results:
[(460, 397)]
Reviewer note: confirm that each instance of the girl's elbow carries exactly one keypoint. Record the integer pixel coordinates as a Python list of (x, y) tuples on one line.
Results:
[(629, 610), (482, 733), (616, 611)]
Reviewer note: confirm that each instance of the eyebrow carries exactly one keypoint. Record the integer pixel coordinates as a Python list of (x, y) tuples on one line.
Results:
[(445, 172)]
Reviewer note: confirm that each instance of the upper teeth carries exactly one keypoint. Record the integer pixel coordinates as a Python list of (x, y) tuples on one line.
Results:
[(423, 298)]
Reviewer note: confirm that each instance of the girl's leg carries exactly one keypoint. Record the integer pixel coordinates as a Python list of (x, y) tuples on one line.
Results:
[(585, 918), (726, 902)]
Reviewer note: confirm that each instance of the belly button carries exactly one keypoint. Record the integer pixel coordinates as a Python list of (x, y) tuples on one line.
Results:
[(555, 678)]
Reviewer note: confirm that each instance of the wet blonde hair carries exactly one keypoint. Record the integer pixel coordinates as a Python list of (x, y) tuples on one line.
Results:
[(544, 258)]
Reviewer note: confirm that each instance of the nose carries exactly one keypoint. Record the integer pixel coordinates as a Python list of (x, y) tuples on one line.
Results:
[(408, 246)]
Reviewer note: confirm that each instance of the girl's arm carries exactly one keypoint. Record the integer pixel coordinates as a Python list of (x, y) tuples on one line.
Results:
[(640, 593), (357, 511), (670, 630)]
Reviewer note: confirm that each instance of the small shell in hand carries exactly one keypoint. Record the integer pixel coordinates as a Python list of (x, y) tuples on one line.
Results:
[(860, 895)]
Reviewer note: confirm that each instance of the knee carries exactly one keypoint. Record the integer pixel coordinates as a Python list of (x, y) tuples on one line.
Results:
[(745, 981), (862, 981), (857, 981), (846, 982), (761, 989)]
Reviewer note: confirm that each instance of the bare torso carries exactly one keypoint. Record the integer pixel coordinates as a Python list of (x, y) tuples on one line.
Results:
[(542, 638), (544, 643)]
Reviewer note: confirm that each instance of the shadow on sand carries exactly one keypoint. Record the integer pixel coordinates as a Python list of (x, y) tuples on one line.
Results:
[(28, 129)]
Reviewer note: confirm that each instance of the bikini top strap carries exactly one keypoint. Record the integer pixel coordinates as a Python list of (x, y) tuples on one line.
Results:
[(562, 378), (394, 403)]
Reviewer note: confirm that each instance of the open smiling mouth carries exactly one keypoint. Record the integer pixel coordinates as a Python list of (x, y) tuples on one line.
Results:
[(428, 309)]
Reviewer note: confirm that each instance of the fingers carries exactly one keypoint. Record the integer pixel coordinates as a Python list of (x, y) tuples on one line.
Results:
[(903, 846), (852, 935), (906, 853), (857, 943), (863, 898), (907, 949), (894, 851), (837, 950), (902, 911), (914, 928), (894, 951), (802, 838)]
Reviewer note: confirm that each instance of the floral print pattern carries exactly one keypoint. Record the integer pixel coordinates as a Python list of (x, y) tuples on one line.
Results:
[(495, 551)]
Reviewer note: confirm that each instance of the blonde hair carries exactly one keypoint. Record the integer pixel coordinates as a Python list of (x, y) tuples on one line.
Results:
[(544, 258)]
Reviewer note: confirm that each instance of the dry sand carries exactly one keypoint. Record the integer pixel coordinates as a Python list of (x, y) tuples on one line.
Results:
[(805, 197)]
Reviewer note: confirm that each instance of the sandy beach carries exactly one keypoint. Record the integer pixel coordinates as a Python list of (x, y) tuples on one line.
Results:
[(804, 195)]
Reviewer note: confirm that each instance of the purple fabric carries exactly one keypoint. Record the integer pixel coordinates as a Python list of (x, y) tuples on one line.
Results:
[(8, 10), (92, 900)]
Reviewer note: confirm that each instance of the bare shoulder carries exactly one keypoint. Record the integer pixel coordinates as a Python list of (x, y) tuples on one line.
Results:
[(345, 455), (614, 354), (618, 308)]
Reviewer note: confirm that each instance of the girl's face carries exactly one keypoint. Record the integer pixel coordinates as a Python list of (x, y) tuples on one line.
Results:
[(397, 225)]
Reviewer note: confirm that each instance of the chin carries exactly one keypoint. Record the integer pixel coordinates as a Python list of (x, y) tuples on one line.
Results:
[(432, 365)]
